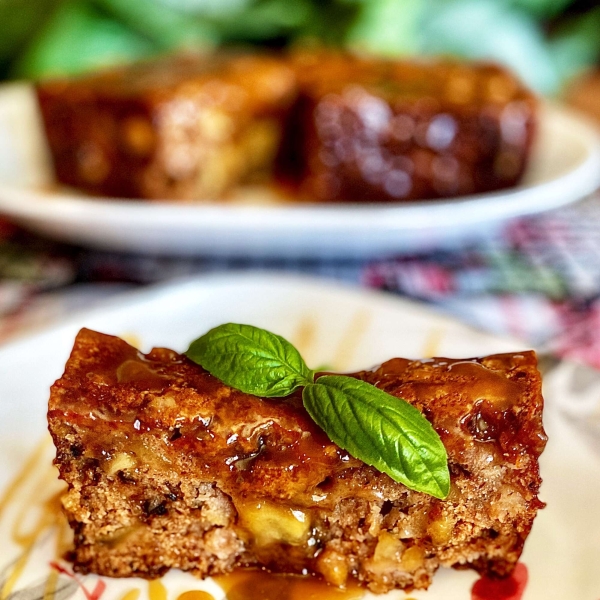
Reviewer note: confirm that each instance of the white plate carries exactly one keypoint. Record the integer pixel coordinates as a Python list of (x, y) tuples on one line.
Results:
[(565, 166), (331, 324)]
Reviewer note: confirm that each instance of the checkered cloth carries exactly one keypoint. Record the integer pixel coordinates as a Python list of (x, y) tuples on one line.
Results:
[(538, 280)]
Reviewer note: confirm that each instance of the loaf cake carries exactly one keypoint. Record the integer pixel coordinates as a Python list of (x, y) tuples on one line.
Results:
[(367, 130), (343, 128), (185, 127), (167, 467)]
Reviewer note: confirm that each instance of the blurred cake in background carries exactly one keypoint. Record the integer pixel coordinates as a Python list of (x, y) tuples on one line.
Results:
[(186, 127), (584, 93), (327, 125), (382, 130)]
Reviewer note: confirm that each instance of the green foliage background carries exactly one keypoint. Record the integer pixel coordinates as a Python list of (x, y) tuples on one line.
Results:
[(545, 41)]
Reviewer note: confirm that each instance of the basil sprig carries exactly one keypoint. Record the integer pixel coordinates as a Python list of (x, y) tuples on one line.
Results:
[(251, 360), (380, 429)]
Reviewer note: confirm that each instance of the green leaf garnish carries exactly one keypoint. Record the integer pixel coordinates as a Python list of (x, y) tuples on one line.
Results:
[(251, 360), (380, 429), (372, 425)]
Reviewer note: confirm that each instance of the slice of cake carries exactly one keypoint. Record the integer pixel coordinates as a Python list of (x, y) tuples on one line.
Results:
[(185, 127), (381, 130), (167, 467)]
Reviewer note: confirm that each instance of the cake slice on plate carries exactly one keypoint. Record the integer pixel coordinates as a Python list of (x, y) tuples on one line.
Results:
[(167, 467)]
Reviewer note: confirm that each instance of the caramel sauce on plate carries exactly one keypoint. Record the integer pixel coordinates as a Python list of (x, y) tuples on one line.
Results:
[(261, 585), (195, 595), (133, 594)]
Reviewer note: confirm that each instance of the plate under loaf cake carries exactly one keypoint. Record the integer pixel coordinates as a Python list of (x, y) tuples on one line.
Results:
[(186, 127), (375, 130), (167, 467)]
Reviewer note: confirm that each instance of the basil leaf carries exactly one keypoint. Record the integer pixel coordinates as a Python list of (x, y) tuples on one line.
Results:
[(381, 430), (250, 359)]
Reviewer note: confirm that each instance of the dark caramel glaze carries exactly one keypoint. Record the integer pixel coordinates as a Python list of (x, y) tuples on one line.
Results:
[(241, 441), (479, 398), (271, 447)]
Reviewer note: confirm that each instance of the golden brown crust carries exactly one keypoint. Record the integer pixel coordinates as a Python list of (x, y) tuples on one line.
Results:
[(168, 467)]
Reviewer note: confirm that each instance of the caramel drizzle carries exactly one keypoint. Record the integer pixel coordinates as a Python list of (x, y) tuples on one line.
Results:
[(260, 585), (51, 585), (133, 594), (433, 342), (26, 540), (304, 336), (157, 590), (350, 340), (23, 476), (195, 595)]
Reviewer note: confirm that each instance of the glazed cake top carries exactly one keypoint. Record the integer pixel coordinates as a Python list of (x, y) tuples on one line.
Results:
[(485, 409)]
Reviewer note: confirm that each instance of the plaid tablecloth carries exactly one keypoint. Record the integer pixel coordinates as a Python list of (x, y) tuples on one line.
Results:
[(538, 280)]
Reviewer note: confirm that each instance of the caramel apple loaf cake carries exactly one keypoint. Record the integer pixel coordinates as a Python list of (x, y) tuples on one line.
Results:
[(185, 127), (167, 467), (334, 127), (381, 130)]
